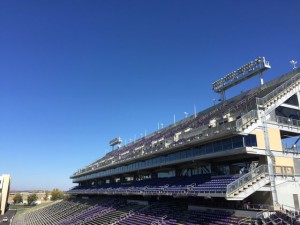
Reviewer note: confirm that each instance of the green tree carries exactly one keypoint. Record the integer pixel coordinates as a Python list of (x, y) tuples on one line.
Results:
[(31, 198), (56, 194), (18, 198)]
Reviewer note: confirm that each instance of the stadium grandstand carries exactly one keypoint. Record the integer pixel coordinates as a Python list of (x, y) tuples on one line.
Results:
[(224, 165), (4, 192)]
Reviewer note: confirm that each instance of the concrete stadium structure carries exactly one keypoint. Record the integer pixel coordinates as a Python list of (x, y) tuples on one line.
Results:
[(240, 136), (4, 192), (210, 168)]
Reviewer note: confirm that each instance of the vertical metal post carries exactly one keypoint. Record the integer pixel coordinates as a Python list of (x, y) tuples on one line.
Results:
[(223, 96), (270, 158), (261, 78), (298, 97)]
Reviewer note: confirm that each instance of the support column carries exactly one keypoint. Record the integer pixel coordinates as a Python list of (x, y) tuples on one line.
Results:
[(261, 79), (270, 159), (298, 98)]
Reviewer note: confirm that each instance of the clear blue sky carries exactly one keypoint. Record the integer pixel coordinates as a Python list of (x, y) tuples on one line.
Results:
[(75, 74)]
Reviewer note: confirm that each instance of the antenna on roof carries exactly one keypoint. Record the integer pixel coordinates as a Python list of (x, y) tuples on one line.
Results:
[(293, 63)]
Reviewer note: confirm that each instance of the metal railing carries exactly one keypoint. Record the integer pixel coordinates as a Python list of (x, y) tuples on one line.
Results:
[(291, 211), (293, 149), (287, 121), (278, 90), (235, 185), (262, 214), (253, 114), (220, 129), (245, 221)]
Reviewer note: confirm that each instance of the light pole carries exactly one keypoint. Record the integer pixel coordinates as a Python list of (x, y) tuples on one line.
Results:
[(214, 100), (293, 63)]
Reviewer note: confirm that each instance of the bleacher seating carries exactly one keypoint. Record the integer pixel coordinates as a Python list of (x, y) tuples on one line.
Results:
[(109, 210), (182, 185), (54, 213), (281, 218), (173, 213), (106, 210), (215, 185), (77, 211)]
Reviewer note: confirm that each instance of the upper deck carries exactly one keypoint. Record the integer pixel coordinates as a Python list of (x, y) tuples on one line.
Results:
[(218, 122)]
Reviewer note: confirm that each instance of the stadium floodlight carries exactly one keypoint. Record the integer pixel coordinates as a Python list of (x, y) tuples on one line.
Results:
[(115, 141), (245, 72), (185, 113), (293, 63)]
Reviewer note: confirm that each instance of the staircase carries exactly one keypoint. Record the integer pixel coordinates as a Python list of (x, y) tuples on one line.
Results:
[(280, 94), (268, 103), (248, 184), (247, 122)]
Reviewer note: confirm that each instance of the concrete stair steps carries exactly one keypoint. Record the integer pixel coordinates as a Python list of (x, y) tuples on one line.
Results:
[(249, 184)]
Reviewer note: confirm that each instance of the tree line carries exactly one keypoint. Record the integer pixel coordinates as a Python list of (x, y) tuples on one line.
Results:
[(55, 194)]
